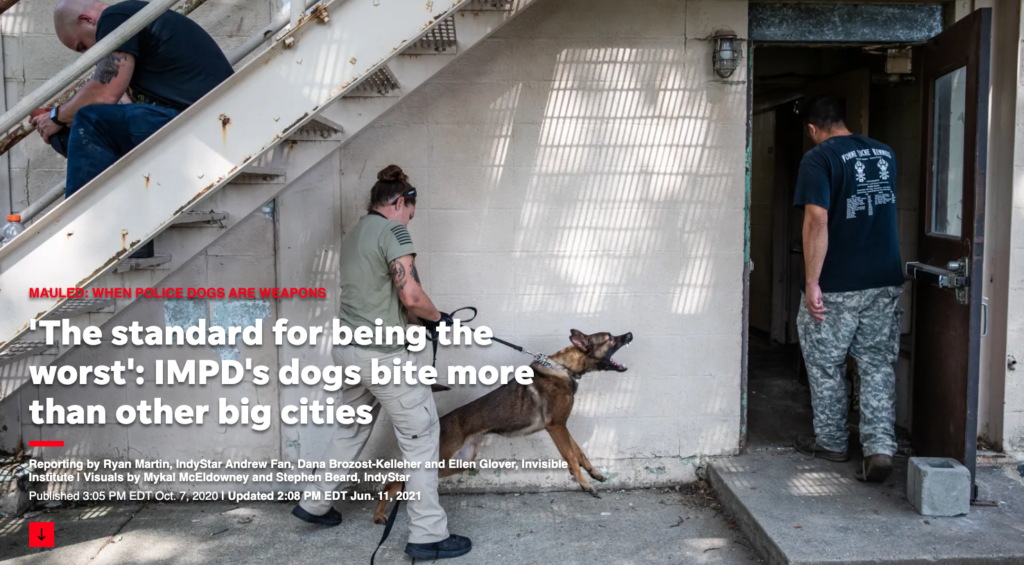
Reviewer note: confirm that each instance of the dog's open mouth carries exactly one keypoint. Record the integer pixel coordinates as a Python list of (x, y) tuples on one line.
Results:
[(612, 364)]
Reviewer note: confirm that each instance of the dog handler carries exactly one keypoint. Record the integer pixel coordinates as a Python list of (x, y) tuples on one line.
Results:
[(846, 187), (379, 281)]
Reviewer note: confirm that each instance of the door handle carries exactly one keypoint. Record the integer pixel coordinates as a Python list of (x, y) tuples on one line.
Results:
[(954, 277), (984, 313), (937, 276)]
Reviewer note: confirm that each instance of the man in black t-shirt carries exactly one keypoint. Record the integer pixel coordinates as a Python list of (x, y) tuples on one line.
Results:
[(135, 91), (847, 188)]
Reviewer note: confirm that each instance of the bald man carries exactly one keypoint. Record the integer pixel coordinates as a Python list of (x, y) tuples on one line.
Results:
[(135, 91)]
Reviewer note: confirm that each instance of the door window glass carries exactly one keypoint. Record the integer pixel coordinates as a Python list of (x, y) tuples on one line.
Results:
[(948, 153)]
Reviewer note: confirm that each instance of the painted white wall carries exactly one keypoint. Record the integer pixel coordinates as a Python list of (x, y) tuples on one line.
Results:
[(584, 168), (1006, 410)]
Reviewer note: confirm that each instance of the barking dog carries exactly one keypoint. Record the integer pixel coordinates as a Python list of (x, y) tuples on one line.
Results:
[(515, 410)]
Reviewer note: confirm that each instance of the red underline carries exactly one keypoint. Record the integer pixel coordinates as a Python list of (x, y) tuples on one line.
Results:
[(46, 444)]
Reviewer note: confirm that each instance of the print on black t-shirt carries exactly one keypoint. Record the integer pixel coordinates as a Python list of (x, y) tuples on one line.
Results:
[(854, 178)]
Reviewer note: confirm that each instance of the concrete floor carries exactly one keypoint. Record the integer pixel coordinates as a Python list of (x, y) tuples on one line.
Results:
[(778, 406), (803, 511), (624, 527)]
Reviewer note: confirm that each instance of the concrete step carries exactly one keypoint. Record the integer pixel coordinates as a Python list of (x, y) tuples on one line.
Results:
[(802, 511)]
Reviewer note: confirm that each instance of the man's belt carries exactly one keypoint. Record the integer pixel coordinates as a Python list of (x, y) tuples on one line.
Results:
[(143, 98)]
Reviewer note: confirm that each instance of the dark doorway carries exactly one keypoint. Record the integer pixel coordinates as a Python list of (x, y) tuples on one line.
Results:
[(882, 104)]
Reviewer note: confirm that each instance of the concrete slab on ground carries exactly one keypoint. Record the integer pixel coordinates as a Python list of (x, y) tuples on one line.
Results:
[(802, 511), (83, 532), (624, 527)]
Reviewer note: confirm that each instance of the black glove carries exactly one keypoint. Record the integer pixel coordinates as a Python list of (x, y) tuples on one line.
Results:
[(432, 326)]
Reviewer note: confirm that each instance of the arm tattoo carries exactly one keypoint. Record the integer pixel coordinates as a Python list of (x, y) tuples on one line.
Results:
[(108, 68), (398, 274), (415, 274)]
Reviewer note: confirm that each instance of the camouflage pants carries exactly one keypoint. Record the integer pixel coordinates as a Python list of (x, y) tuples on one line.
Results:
[(866, 324)]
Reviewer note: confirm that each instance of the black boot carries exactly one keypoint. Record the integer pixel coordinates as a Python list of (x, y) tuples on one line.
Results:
[(453, 546), (332, 518)]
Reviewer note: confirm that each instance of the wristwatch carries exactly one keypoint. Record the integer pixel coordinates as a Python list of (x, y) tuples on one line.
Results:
[(53, 116)]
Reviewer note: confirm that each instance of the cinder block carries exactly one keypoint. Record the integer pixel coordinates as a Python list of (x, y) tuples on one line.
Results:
[(45, 56), (14, 59), (14, 490), (938, 486)]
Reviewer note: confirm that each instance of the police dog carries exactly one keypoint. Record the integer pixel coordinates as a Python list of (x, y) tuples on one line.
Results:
[(515, 410)]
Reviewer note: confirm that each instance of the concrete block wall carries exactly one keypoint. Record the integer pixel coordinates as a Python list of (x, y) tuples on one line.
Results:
[(583, 168), (32, 54)]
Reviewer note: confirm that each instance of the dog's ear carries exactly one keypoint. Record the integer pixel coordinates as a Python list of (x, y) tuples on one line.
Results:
[(580, 339)]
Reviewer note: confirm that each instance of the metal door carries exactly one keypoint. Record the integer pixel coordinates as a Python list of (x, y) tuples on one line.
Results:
[(950, 314)]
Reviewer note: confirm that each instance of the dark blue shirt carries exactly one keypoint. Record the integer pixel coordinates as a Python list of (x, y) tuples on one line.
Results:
[(176, 61), (854, 178)]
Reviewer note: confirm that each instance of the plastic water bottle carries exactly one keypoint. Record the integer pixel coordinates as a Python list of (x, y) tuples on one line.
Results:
[(12, 229)]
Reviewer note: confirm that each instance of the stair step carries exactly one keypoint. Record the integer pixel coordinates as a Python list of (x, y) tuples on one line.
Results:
[(381, 82), (318, 129), (78, 306), (129, 265), (196, 219), (21, 349), (325, 122), (441, 39), (780, 498), (489, 5), (267, 171)]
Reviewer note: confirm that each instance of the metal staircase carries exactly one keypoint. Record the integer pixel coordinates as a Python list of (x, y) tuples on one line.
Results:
[(319, 83)]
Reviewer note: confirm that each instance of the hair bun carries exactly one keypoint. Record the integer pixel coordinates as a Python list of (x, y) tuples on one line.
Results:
[(392, 173)]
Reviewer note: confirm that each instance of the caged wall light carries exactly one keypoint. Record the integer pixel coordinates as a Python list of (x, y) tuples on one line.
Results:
[(727, 52)]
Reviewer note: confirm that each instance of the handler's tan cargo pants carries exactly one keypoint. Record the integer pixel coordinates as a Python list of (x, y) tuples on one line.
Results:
[(412, 411)]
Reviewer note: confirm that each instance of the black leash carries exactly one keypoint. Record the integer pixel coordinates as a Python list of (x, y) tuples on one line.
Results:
[(389, 524), (433, 337), (538, 357)]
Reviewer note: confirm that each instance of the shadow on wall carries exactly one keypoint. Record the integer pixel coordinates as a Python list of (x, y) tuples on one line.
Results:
[(589, 183), (582, 169)]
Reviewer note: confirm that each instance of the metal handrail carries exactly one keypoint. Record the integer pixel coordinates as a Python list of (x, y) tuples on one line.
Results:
[(250, 45), (43, 202), (66, 76), (25, 129)]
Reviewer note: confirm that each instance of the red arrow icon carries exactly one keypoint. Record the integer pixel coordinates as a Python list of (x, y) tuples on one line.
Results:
[(40, 534)]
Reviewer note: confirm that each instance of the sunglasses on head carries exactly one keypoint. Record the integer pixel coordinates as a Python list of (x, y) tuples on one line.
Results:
[(412, 192)]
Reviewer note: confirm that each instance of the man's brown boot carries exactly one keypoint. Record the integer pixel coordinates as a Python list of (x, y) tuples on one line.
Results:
[(875, 468), (808, 446)]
